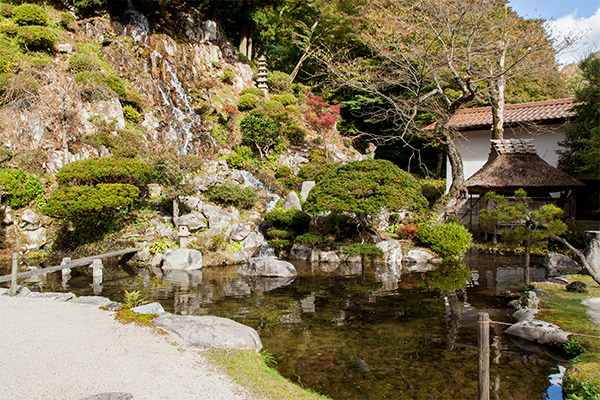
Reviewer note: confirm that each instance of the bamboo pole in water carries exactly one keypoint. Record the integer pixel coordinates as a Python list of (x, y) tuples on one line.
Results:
[(483, 320)]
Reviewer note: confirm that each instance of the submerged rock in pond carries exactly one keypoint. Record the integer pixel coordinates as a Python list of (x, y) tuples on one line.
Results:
[(266, 284), (267, 267), (182, 259), (208, 332)]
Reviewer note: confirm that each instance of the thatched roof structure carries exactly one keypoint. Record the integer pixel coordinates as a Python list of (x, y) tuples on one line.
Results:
[(514, 164)]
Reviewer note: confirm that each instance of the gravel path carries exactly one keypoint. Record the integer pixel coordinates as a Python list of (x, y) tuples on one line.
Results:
[(57, 350)]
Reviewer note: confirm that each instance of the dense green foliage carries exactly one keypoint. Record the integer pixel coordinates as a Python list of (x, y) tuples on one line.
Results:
[(105, 170), (365, 187), (262, 133), (30, 14), (88, 8), (449, 240), (37, 38), (248, 101), (367, 250), (582, 140), (233, 194), (80, 202), (292, 220), (21, 188)]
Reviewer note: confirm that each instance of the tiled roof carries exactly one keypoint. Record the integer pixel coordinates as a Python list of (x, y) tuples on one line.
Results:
[(514, 146), (538, 111)]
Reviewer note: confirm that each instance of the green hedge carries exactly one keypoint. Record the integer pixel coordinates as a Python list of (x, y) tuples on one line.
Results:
[(21, 188), (291, 220), (248, 101), (105, 170), (79, 202)]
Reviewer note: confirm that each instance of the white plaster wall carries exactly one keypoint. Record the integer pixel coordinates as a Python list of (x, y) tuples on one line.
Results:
[(474, 146)]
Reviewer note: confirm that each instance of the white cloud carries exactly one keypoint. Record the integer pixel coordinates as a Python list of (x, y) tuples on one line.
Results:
[(585, 31)]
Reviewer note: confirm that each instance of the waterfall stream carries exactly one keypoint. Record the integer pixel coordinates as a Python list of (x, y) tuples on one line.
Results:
[(184, 122)]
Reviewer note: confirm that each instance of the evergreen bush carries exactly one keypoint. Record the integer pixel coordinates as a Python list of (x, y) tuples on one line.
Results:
[(105, 170), (262, 133), (279, 82), (228, 76), (449, 240), (285, 99), (89, 8), (233, 194), (131, 114), (240, 157), (6, 10), (84, 61), (30, 14), (248, 102), (255, 91), (36, 38), (9, 28), (21, 188), (292, 220), (81, 202)]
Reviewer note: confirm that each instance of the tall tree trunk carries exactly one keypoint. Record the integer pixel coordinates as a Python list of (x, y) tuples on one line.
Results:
[(498, 99), (457, 192)]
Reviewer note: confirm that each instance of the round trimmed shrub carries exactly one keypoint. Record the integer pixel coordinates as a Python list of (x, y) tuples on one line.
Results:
[(105, 170), (449, 240), (248, 102), (255, 91), (9, 28), (30, 14), (36, 38)]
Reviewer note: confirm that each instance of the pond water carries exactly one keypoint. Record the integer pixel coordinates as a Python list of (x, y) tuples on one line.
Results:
[(372, 336)]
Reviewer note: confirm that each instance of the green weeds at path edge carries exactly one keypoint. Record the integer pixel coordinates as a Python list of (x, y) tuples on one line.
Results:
[(249, 369)]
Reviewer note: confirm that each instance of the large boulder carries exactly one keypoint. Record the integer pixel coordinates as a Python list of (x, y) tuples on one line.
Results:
[(302, 252), (208, 332), (195, 221), (252, 244), (418, 257), (291, 201), (267, 267), (182, 259), (217, 217), (392, 252), (534, 330), (307, 186), (592, 249), (239, 231), (558, 264)]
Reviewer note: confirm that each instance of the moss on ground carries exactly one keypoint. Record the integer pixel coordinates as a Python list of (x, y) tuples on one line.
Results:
[(249, 369), (582, 378)]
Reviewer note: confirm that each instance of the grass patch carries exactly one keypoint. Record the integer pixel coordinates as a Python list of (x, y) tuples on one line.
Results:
[(582, 379), (249, 369)]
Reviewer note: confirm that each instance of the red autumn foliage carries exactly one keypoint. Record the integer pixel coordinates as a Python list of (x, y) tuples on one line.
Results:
[(320, 115)]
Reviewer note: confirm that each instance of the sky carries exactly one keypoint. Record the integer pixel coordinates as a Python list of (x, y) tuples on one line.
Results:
[(579, 19)]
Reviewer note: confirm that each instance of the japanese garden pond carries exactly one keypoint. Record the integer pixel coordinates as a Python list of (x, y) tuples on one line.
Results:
[(371, 336)]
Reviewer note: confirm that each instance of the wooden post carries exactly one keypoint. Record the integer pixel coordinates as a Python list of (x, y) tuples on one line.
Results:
[(97, 276), (14, 272), (483, 336), (66, 273)]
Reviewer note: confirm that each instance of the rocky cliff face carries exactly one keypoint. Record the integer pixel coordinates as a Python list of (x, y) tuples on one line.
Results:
[(169, 83)]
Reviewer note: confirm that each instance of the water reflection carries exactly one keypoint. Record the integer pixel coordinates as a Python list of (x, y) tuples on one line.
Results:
[(387, 334)]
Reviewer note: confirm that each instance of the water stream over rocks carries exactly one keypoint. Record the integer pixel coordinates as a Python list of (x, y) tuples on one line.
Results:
[(365, 337)]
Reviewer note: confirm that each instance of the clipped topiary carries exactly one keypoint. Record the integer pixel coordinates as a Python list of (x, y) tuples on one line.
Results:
[(30, 14), (80, 202), (449, 240), (6, 10), (36, 38), (255, 91), (105, 170), (364, 188), (248, 102)]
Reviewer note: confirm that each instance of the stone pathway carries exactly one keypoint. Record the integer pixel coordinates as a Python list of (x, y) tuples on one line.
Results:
[(72, 351)]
